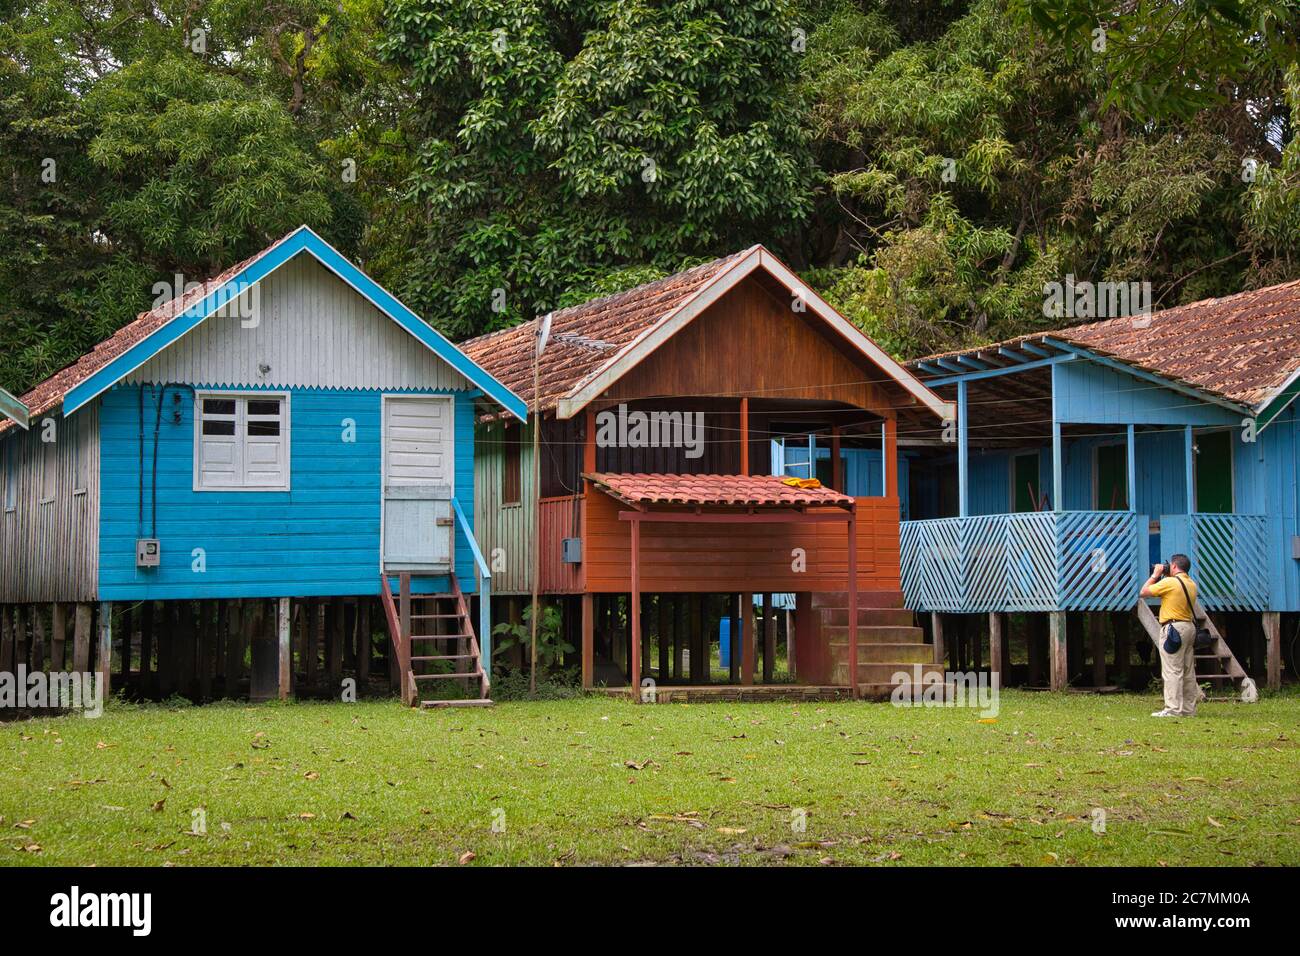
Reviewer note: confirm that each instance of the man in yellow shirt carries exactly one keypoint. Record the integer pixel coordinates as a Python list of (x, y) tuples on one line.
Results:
[(1177, 644)]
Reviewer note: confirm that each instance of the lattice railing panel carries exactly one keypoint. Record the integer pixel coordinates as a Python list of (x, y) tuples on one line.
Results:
[(1230, 560)]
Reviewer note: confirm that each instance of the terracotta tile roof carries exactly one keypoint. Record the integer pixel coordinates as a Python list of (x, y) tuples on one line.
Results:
[(1243, 347), (731, 490), (584, 338), (48, 395)]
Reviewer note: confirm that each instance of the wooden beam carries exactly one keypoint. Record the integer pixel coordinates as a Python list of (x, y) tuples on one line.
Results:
[(1058, 647), (837, 476), (1097, 642), (104, 657), (664, 630), (681, 619), (589, 442), (1189, 454), (286, 649), (81, 638), (744, 436), (963, 452), (769, 638), (936, 630), (588, 639), (1272, 621), (996, 644), (634, 613), (853, 602), (889, 459), (735, 653), (749, 643), (1131, 467)]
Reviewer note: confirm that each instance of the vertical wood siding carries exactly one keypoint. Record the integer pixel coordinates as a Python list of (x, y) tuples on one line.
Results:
[(504, 530), (322, 537), (310, 329), (47, 550)]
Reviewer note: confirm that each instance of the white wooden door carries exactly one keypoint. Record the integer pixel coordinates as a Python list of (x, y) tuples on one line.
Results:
[(419, 480)]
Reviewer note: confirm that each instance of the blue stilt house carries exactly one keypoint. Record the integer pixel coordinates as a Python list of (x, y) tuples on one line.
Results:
[(287, 430), (1082, 456)]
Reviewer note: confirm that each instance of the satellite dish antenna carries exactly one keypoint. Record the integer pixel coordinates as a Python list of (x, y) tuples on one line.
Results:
[(544, 332)]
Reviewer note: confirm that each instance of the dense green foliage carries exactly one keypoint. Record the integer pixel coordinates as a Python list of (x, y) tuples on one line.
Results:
[(929, 165)]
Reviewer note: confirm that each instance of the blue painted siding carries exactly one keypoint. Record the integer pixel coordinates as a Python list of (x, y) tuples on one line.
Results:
[(1094, 394), (321, 537)]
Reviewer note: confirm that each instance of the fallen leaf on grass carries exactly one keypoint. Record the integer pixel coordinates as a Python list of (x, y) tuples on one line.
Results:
[(467, 857), (312, 775), (159, 806), (1213, 822), (732, 830), (306, 816)]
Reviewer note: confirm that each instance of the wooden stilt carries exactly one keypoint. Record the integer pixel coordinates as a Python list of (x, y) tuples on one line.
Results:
[(1097, 642), (235, 646), (207, 642), (769, 638), (285, 662), (853, 601), (1058, 650), (734, 652), (315, 638), (936, 629), (996, 644), (663, 606), (104, 661), (81, 638), (6, 639), (681, 611), (146, 649), (22, 649), (700, 655), (38, 638), (365, 645), (126, 625), (634, 610), (588, 611), (1272, 621), (748, 639)]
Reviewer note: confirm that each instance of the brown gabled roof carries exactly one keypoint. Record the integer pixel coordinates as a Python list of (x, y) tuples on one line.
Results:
[(1242, 347), (585, 338), (737, 491), (48, 395)]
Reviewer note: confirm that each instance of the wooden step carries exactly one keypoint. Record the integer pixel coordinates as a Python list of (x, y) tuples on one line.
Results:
[(439, 637), (868, 616), (874, 634), (477, 675), (875, 599), (471, 702), (870, 653), (444, 657), (882, 672)]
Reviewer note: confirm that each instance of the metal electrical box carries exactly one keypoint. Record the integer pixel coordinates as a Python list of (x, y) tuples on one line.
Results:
[(571, 550), (148, 553)]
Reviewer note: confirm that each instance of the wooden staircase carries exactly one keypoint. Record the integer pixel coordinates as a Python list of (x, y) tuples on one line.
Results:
[(434, 642), (1216, 664), (888, 641)]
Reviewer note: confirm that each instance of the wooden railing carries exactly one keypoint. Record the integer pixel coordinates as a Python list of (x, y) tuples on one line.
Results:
[(1035, 561), (399, 630), (1229, 555), (483, 580)]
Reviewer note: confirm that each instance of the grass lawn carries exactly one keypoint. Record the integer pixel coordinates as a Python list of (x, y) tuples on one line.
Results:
[(594, 780)]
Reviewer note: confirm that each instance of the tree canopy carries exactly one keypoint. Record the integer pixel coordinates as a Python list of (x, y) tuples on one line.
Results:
[(929, 165)]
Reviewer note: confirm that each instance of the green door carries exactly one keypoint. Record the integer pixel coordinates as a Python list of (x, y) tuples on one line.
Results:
[(1214, 472), (1112, 478), (1025, 477)]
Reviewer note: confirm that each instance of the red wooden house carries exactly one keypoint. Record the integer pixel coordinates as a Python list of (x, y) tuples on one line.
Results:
[(671, 416)]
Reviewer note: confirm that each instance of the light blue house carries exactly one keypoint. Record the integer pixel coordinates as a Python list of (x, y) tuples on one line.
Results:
[(1083, 456), (288, 430)]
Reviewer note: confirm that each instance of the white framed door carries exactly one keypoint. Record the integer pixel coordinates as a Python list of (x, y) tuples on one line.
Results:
[(419, 471)]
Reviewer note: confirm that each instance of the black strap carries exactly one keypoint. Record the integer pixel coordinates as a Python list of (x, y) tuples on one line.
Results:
[(1190, 606)]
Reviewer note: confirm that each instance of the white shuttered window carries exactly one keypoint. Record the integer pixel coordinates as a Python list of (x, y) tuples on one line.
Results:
[(241, 442)]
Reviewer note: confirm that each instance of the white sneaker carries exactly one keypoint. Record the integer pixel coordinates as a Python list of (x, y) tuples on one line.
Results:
[(1164, 713)]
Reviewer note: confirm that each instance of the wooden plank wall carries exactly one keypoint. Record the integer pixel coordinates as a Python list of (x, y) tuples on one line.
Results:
[(504, 531), (48, 548), (727, 558)]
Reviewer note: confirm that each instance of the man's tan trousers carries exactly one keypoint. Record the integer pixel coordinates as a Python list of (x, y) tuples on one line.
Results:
[(1179, 671)]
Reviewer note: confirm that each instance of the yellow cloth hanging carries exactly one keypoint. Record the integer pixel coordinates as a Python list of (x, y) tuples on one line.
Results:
[(802, 482)]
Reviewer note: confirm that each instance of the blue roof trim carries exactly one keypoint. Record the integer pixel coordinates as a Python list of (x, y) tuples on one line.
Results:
[(10, 407), (303, 239)]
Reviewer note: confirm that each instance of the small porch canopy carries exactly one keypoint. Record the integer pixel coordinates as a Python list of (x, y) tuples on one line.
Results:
[(723, 499)]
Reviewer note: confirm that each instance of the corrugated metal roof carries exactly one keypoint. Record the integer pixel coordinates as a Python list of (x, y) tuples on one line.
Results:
[(721, 490)]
